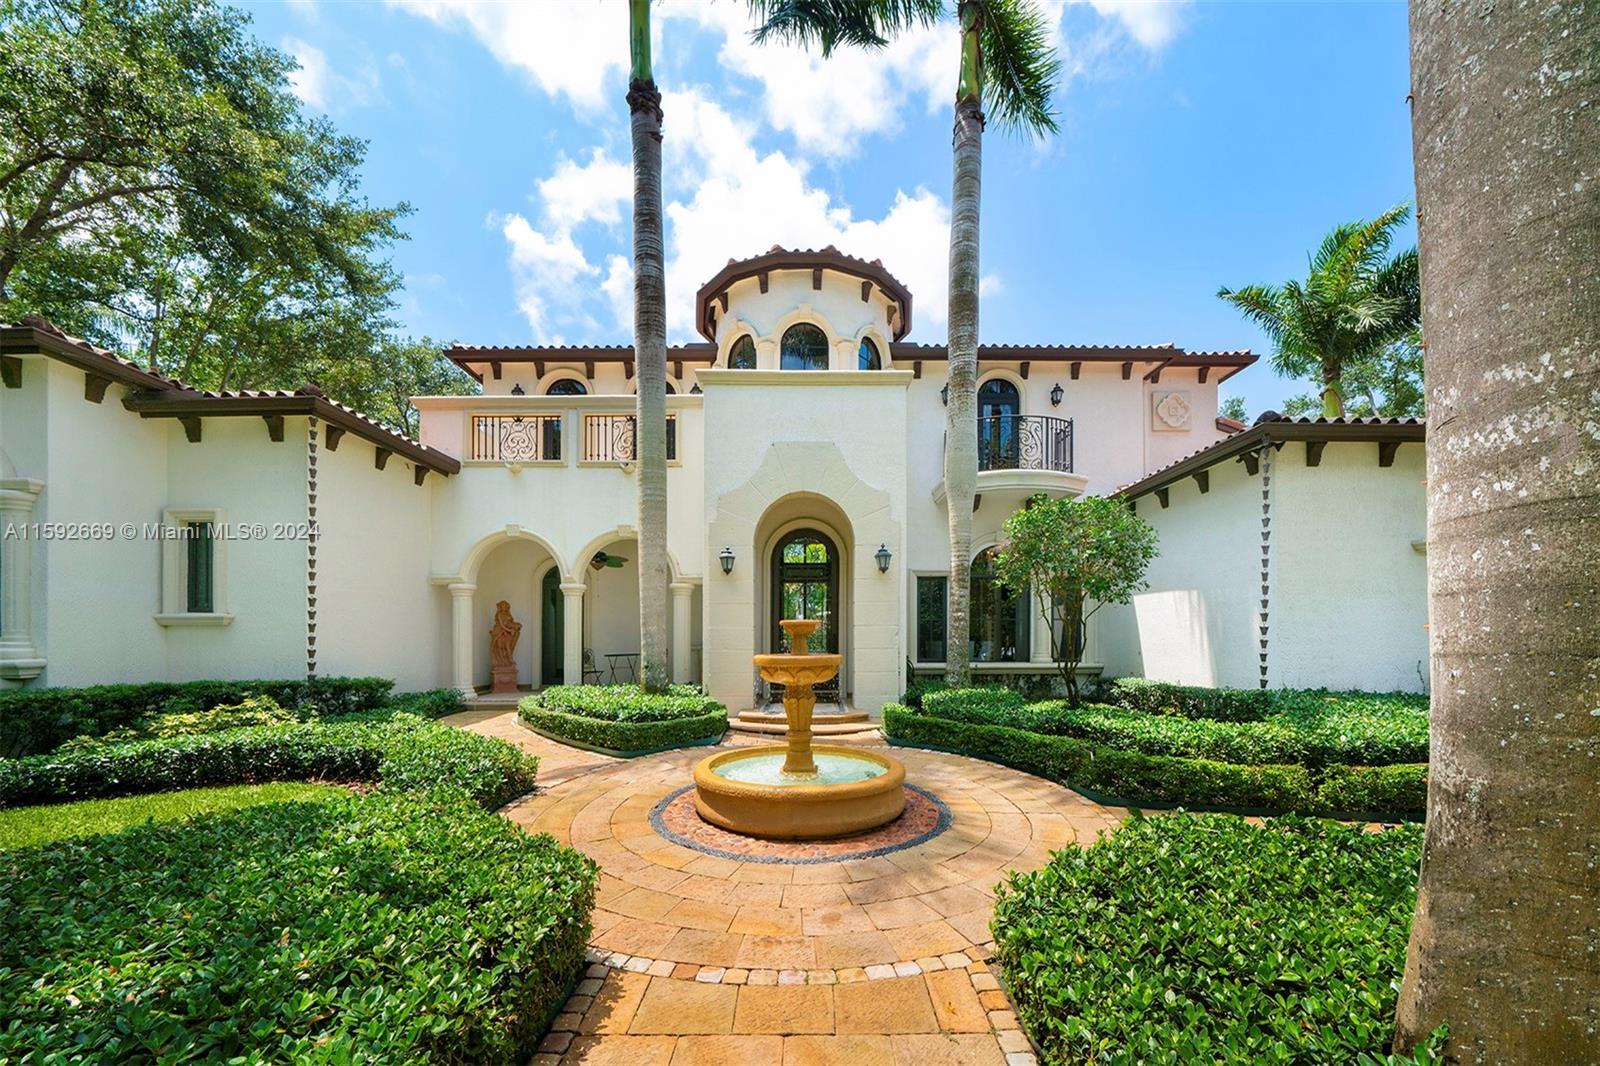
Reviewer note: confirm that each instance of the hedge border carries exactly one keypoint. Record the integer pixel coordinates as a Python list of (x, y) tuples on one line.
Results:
[(623, 739), (1178, 782)]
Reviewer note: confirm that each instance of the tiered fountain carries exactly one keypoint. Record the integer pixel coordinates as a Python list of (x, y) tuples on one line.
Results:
[(799, 791)]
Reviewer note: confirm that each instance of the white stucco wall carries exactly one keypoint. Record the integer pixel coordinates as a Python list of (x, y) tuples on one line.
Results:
[(831, 435), (377, 612), (237, 468), (1350, 592), (1197, 623)]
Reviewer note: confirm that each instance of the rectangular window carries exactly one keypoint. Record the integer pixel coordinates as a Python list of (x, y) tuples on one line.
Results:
[(199, 567), (931, 608)]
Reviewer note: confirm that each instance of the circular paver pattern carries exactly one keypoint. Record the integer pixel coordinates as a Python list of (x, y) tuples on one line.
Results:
[(661, 900), (676, 819)]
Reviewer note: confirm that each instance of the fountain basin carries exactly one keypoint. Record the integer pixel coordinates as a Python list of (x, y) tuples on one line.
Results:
[(746, 791)]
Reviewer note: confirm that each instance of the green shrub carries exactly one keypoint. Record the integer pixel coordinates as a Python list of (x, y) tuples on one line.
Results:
[(625, 703), (432, 703), (1184, 939), (917, 688), (1136, 778), (397, 927), (1311, 729), (1190, 701), (985, 703), (624, 736), (26, 826), (400, 752), (38, 720)]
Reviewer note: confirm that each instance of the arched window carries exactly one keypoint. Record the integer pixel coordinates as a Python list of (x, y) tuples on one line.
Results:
[(999, 406), (804, 347), (567, 387), (742, 356), (670, 390), (999, 615), (867, 357)]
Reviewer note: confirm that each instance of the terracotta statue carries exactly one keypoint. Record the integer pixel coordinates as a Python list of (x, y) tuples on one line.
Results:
[(503, 638)]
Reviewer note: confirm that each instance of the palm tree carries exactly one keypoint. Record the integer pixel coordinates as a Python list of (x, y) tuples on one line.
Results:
[(649, 352), (1508, 903), (1353, 305), (1005, 54)]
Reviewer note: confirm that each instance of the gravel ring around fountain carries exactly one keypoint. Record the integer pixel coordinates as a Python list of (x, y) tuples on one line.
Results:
[(676, 819)]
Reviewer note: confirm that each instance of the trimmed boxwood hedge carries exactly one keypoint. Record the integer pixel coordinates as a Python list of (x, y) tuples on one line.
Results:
[(38, 720), (621, 719), (1189, 938), (1312, 730), (1190, 701), (1162, 780), (400, 751), (404, 926)]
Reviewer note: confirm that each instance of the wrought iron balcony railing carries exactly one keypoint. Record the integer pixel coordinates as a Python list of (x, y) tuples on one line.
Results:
[(532, 438), (1025, 442), (608, 438)]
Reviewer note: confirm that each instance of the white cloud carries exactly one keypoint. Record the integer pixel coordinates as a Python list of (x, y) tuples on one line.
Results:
[(736, 203), (319, 84), (569, 49), (592, 192), (1152, 23), (550, 272)]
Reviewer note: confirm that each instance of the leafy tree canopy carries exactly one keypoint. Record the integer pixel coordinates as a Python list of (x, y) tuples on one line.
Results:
[(1070, 552), (162, 193)]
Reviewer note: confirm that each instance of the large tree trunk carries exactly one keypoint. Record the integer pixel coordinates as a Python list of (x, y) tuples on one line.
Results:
[(650, 358), (1507, 142), (961, 426)]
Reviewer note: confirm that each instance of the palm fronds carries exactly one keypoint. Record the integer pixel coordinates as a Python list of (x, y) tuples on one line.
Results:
[(1020, 67), (1355, 302), (831, 23)]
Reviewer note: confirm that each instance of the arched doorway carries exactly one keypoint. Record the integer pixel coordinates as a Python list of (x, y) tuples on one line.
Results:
[(999, 404), (805, 584), (551, 628)]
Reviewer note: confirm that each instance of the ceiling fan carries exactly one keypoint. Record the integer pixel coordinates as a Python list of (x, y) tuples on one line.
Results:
[(602, 559)]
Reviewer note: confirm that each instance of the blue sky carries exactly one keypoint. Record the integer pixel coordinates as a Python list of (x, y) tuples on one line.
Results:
[(1201, 144)]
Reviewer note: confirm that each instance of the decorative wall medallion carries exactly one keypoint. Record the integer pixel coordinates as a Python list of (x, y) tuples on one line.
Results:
[(1171, 411)]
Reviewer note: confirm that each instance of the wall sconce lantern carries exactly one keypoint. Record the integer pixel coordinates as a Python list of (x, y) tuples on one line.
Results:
[(725, 557), (695, 388), (883, 557), (517, 389), (1055, 395), (944, 394)]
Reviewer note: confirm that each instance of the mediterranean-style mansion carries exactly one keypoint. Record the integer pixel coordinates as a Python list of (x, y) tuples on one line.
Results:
[(155, 531)]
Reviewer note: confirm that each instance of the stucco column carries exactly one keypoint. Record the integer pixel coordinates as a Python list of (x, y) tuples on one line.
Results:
[(19, 659), (682, 591), (461, 593), (572, 632)]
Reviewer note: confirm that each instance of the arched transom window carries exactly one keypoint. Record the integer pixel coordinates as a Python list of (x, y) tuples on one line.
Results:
[(742, 356), (567, 387), (867, 358), (804, 347)]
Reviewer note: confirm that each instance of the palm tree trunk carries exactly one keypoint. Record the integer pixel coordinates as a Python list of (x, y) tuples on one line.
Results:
[(1508, 904), (650, 354), (1332, 394), (961, 435)]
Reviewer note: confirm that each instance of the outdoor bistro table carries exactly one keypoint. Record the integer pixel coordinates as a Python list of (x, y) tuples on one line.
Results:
[(627, 659)]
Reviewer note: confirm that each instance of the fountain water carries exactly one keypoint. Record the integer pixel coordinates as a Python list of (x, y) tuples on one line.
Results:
[(799, 791)]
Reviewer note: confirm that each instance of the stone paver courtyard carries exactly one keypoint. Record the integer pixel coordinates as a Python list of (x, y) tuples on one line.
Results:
[(698, 958)]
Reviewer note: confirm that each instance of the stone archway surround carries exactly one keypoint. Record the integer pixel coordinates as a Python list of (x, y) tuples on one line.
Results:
[(875, 636)]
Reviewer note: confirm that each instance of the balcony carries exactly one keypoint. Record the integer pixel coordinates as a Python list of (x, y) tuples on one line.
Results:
[(1025, 442), (604, 437), (1020, 456)]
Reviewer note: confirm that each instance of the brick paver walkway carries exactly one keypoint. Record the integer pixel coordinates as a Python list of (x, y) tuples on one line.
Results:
[(697, 959)]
